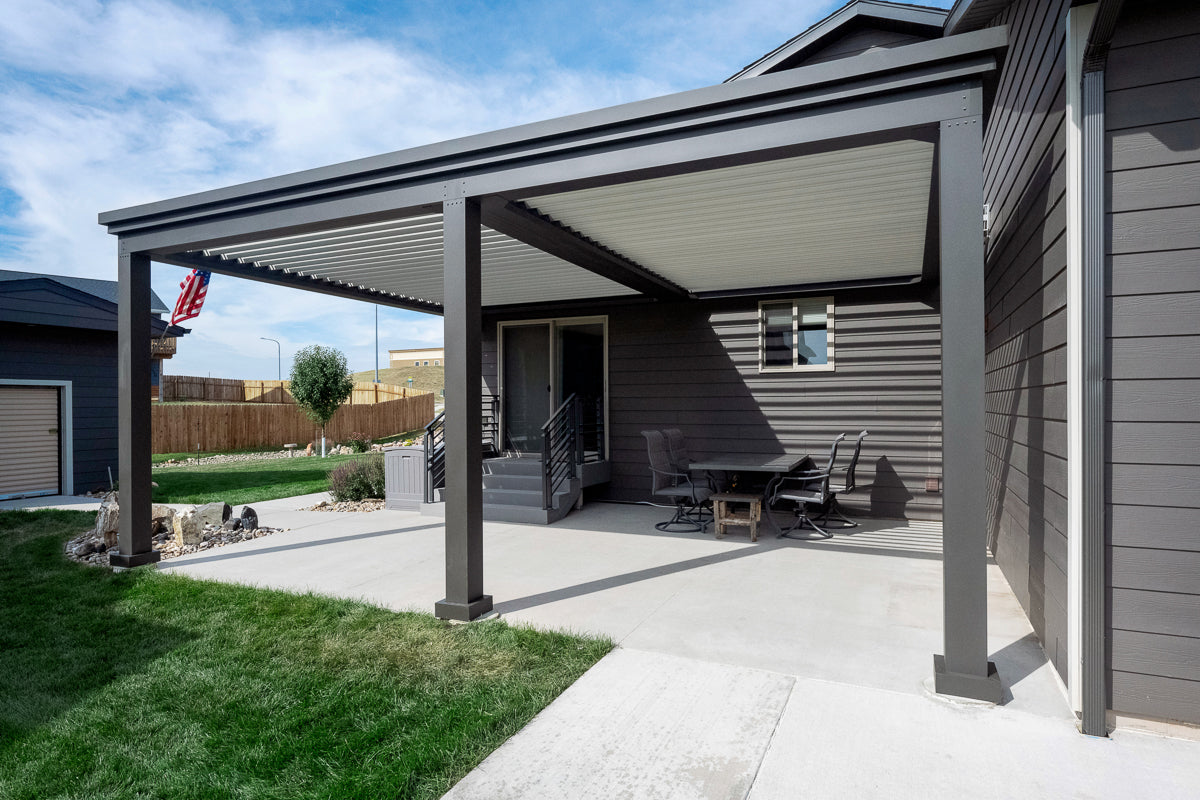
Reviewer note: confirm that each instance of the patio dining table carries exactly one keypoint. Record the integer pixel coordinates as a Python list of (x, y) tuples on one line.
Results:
[(773, 464)]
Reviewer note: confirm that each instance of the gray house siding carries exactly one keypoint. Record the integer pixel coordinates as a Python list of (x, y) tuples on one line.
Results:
[(89, 360), (1024, 185), (695, 367), (1153, 126)]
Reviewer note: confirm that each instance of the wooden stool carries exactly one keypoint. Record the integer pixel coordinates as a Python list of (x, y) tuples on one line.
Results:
[(724, 515)]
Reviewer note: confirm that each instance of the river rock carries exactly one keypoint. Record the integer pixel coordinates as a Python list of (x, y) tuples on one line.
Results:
[(189, 528), (214, 513), (249, 518)]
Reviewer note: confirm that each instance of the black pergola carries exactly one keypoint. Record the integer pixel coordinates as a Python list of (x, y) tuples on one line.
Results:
[(349, 230)]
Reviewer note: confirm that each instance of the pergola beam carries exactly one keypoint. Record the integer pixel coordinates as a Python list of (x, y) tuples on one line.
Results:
[(236, 269), (536, 230), (772, 116)]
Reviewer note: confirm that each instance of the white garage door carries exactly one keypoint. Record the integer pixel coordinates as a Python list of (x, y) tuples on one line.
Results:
[(29, 445)]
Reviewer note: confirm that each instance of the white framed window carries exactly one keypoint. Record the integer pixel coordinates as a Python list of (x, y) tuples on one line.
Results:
[(795, 335), (437, 363), (416, 363), (427, 363)]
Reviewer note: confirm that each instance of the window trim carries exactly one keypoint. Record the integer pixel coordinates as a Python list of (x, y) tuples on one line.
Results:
[(797, 303)]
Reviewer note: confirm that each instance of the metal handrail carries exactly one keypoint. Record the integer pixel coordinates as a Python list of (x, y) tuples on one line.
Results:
[(560, 437), (435, 444)]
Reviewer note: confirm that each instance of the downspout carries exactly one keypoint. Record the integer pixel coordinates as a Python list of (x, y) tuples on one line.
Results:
[(1093, 685)]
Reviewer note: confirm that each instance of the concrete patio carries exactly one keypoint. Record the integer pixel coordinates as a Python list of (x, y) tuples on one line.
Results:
[(770, 669)]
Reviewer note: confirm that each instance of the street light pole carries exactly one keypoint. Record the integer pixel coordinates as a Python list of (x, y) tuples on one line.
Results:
[(278, 357)]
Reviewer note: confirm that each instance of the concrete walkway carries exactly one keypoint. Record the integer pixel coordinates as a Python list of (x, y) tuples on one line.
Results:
[(775, 669)]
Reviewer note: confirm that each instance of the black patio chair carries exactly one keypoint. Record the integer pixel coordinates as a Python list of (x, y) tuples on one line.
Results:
[(675, 484), (845, 487), (804, 488), (681, 461)]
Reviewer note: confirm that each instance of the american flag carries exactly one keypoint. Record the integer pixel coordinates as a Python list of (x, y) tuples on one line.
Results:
[(195, 287)]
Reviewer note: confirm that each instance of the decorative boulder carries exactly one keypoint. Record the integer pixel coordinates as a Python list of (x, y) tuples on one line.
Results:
[(107, 520), (249, 518), (214, 513), (161, 518), (232, 524), (189, 528)]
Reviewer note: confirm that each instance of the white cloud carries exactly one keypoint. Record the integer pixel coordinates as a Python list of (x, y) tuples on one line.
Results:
[(107, 105)]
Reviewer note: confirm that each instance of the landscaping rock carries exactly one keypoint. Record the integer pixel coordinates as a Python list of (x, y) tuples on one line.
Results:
[(214, 513), (249, 518), (161, 518), (189, 528), (107, 520), (232, 524)]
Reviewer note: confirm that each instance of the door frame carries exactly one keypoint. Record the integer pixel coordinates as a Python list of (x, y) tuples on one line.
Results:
[(552, 324), (66, 432)]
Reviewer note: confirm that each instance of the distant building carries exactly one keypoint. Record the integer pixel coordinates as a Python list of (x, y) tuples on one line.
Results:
[(421, 357)]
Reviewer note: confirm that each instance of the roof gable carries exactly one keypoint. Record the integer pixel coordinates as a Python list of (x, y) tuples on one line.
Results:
[(857, 27)]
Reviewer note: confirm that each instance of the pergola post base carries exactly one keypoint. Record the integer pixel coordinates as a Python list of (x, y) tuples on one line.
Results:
[(962, 684), (120, 562), (463, 612)]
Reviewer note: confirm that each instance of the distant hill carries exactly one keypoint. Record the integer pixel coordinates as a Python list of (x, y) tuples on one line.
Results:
[(427, 379)]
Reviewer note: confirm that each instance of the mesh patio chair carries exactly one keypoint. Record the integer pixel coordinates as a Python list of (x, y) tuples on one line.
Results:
[(675, 484), (804, 488), (681, 460), (845, 487)]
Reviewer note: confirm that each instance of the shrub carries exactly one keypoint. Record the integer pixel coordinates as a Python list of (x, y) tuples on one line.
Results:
[(359, 442), (358, 479)]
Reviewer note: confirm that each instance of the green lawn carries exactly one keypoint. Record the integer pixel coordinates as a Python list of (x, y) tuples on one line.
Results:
[(147, 685), (242, 482)]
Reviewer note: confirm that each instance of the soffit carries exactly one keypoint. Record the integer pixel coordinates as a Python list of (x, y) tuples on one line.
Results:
[(853, 214)]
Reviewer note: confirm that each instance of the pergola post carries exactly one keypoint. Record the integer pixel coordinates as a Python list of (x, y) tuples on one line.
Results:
[(461, 231), (133, 410), (964, 670)]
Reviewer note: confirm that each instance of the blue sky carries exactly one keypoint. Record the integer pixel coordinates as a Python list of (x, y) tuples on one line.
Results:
[(108, 104)]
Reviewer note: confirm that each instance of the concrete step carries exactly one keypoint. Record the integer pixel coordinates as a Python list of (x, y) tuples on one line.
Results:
[(500, 480), (513, 497), (513, 466)]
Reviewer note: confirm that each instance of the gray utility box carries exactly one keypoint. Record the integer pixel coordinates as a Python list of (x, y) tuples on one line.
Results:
[(404, 478)]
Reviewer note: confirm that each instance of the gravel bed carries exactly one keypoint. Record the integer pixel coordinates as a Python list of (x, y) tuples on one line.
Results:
[(89, 548), (347, 505)]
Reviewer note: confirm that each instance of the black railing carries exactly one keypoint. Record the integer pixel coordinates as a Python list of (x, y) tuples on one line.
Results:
[(591, 429), (435, 456), (435, 444), (560, 449)]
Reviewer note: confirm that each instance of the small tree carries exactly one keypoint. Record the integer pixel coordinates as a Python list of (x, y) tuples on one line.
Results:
[(320, 384)]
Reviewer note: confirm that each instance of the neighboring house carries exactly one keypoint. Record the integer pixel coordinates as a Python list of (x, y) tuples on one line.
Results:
[(974, 233), (420, 357), (58, 381)]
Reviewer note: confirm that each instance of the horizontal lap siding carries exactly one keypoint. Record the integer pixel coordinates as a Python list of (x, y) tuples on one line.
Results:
[(1025, 187), (1152, 83), (89, 360), (695, 366)]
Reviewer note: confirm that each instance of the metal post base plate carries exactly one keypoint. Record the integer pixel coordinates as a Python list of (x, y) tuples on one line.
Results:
[(119, 561), (961, 684), (463, 612)]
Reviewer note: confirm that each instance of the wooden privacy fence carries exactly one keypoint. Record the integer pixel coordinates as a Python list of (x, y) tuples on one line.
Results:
[(232, 390), (239, 426)]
